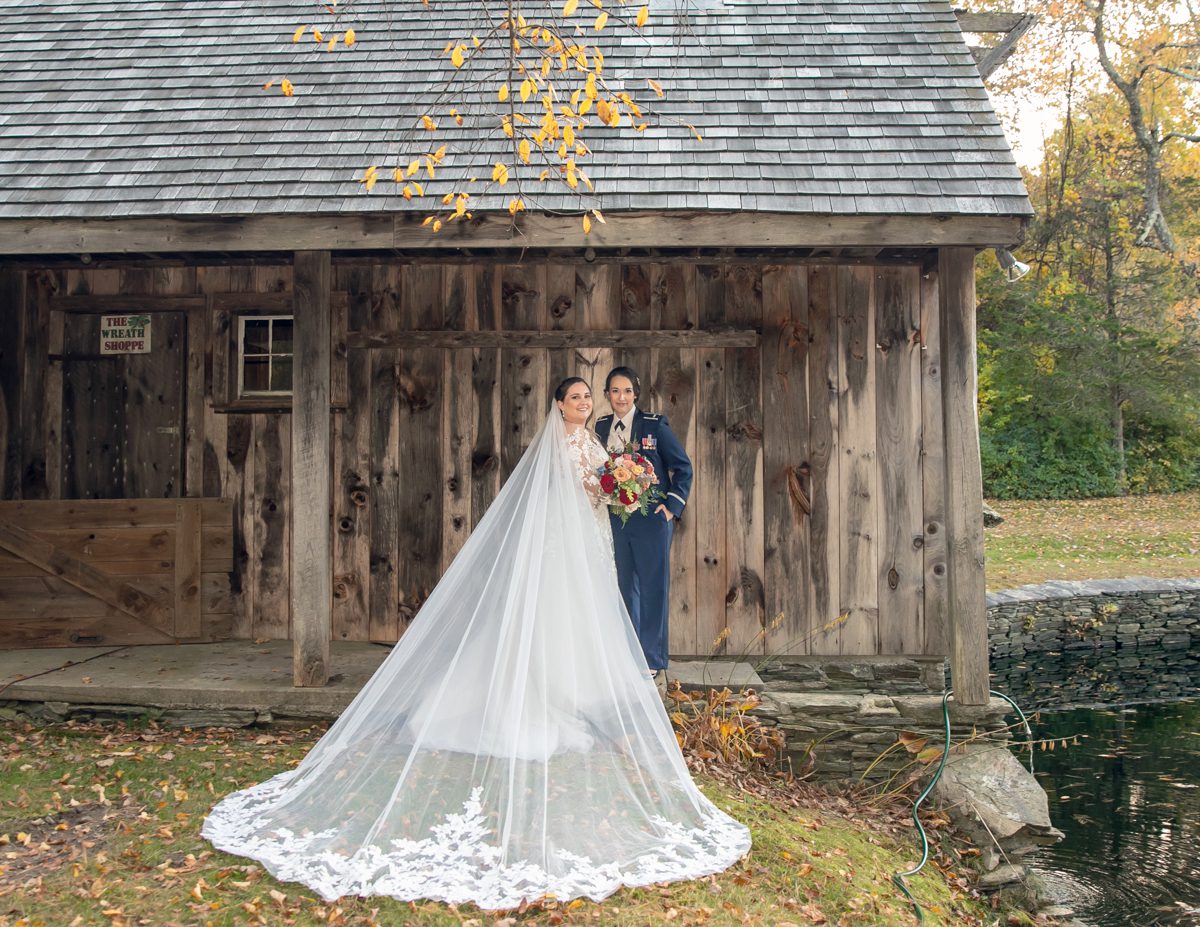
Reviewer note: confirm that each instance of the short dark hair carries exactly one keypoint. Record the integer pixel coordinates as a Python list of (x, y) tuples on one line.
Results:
[(560, 392), (628, 374)]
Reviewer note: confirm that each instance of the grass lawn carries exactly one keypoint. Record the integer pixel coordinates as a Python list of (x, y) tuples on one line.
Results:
[(100, 826), (1094, 539)]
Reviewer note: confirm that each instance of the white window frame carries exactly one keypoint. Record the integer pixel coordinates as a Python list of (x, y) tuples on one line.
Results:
[(242, 392)]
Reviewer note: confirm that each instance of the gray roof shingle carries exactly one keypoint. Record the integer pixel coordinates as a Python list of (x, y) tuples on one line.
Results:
[(157, 108)]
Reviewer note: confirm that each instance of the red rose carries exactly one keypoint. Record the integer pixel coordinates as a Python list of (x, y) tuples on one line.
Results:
[(627, 497), (608, 483)]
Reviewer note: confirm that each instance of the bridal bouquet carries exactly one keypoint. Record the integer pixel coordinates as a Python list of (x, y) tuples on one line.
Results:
[(629, 483)]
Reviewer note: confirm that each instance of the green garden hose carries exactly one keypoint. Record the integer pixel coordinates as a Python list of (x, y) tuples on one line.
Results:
[(899, 877)]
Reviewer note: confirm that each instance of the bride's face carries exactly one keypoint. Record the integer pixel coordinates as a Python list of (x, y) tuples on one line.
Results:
[(577, 406)]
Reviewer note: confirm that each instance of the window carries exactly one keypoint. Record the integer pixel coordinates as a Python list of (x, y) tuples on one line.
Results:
[(264, 355)]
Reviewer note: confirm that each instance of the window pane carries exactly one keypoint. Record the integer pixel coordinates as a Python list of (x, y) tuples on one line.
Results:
[(281, 337), (255, 340), (281, 374), (255, 374)]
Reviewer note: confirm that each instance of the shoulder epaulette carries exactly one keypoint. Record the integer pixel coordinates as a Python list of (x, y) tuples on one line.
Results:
[(653, 417)]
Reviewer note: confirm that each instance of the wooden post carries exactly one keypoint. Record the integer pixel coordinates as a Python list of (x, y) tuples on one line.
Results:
[(312, 602), (964, 480)]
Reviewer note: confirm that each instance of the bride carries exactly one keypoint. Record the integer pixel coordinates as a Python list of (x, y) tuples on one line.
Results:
[(511, 746)]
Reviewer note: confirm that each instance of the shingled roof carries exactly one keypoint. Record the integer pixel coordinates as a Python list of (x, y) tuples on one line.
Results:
[(157, 109)]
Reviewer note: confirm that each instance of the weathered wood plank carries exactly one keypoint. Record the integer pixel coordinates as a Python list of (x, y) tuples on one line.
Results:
[(186, 591), (857, 462), (12, 315), (84, 515), (824, 474), (239, 459), (419, 421), (611, 338), (933, 473), (311, 540), (964, 482), (485, 383), (352, 472), (898, 441), (672, 391), (131, 301), (683, 229), (385, 451), (561, 314), (706, 506), (634, 310), (744, 554), (194, 415), (34, 415), (458, 416), (270, 553), (152, 450), (53, 408), (596, 300), (787, 488), (525, 372), (83, 575)]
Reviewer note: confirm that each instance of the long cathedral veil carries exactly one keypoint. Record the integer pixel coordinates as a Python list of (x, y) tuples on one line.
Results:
[(509, 747)]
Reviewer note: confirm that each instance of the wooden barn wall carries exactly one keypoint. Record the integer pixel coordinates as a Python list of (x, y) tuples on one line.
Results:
[(819, 466)]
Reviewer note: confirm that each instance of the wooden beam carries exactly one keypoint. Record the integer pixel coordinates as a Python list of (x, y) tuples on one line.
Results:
[(312, 585), (659, 229), (82, 575), (985, 22), (109, 303), (719, 338), (965, 587)]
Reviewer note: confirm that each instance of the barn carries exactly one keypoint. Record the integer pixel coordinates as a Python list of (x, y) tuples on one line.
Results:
[(243, 398)]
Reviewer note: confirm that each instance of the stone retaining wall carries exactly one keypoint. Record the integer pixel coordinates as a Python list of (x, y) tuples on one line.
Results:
[(1109, 641)]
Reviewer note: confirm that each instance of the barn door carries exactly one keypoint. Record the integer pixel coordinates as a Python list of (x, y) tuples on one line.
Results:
[(122, 414)]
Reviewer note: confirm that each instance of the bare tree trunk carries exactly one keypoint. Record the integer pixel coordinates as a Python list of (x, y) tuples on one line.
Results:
[(1117, 418)]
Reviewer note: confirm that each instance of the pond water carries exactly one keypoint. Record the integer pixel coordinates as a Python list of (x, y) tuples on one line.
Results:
[(1128, 799)]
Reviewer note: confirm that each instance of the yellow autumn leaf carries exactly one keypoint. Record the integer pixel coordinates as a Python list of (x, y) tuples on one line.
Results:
[(428, 219), (460, 205), (642, 16), (439, 154), (570, 6), (475, 41), (437, 225), (398, 175), (515, 206), (655, 86), (299, 34), (604, 111), (429, 124), (268, 85), (502, 93), (447, 198), (523, 149), (350, 38), (587, 224), (568, 135), (601, 22), (332, 44), (420, 190), (526, 89), (456, 56), (500, 174), (318, 37), (429, 167), (407, 191), (544, 176), (572, 180), (545, 67), (286, 86), (585, 107), (599, 216)]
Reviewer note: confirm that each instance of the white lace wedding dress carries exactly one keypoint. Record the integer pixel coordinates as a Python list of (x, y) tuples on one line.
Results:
[(510, 746)]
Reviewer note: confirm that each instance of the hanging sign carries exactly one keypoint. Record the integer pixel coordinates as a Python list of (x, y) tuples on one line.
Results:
[(124, 334)]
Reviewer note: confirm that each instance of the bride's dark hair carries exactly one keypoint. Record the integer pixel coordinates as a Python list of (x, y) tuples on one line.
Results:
[(560, 392)]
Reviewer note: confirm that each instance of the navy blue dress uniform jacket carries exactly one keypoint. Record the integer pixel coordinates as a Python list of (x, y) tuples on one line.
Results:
[(653, 438)]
